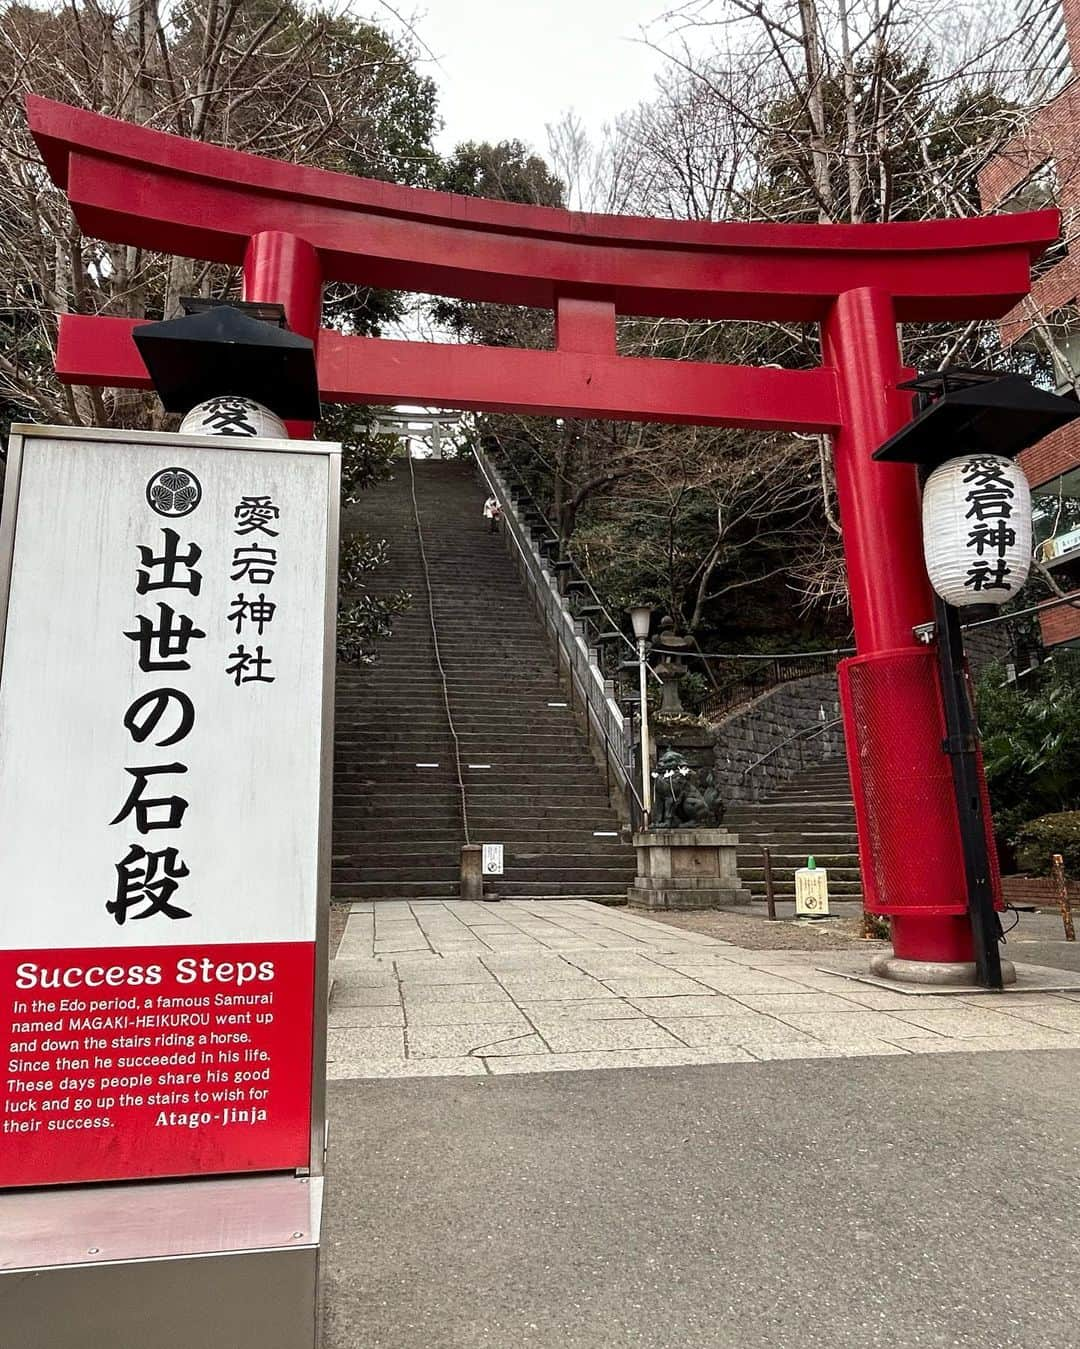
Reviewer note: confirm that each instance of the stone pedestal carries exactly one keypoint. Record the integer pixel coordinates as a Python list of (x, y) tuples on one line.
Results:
[(472, 872), (933, 972), (686, 869)]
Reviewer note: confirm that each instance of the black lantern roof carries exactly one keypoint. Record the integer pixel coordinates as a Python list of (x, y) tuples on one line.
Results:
[(971, 410), (221, 349)]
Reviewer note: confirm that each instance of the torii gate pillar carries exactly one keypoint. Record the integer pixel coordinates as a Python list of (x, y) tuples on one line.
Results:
[(282, 269), (893, 720)]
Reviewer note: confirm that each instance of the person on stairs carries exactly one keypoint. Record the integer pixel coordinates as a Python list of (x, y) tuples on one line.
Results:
[(492, 514)]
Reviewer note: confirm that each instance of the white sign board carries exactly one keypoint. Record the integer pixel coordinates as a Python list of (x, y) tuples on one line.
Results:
[(811, 892), (493, 859), (163, 757)]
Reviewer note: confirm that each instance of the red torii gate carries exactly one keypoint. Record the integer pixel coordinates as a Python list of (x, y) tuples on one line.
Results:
[(293, 228)]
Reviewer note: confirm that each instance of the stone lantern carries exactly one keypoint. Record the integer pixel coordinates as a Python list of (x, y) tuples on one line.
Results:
[(670, 667)]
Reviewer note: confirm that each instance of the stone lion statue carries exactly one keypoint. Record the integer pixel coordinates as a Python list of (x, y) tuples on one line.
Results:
[(680, 800)]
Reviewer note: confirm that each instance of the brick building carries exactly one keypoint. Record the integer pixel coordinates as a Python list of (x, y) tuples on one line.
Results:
[(1042, 167)]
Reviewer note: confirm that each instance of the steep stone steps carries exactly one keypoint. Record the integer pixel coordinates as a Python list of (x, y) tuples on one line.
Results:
[(812, 815), (600, 891), (442, 837), (397, 826)]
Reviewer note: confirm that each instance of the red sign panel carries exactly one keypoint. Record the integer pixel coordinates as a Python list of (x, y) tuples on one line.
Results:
[(168, 1060)]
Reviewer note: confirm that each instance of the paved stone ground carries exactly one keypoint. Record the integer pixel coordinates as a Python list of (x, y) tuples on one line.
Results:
[(436, 989)]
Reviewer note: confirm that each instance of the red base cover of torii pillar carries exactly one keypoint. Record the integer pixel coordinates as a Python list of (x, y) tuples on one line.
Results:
[(294, 228)]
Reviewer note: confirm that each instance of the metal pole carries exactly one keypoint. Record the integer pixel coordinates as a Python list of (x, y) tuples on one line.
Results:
[(962, 746), (1061, 891), (770, 893), (646, 751), (632, 771)]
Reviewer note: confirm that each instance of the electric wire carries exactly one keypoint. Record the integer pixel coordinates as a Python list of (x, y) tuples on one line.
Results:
[(850, 650), (438, 655), (768, 655), (1072, 600)]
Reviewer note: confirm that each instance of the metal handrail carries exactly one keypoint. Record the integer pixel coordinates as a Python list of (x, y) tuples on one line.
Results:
[(601, 713), (567, 553), (579, 573), (818, 728), (433, 621)]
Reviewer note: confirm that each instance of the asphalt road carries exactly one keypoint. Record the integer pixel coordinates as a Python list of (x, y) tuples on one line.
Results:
[(921, 1201)]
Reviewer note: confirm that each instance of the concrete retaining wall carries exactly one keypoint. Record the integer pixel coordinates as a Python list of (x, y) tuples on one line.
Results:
[(743, 737)]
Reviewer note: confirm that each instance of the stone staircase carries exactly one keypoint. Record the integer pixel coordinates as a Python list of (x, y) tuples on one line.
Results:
[(531, 783), (812, 814)]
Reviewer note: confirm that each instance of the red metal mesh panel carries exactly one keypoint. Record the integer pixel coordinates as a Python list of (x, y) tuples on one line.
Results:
[(905, 807)]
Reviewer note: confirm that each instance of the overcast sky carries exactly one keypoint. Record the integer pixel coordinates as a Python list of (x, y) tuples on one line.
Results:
[(507, 67)]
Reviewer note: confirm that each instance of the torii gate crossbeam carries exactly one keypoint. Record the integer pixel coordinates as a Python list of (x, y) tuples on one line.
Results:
[(294, 229)]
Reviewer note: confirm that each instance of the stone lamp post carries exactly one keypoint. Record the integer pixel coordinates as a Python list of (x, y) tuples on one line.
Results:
[(641, 618)]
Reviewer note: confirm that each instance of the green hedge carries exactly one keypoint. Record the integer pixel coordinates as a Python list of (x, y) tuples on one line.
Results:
[(1031, 747), (1038, 840)]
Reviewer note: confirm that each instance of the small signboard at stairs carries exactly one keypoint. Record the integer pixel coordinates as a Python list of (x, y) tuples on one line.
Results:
[(811, 891)]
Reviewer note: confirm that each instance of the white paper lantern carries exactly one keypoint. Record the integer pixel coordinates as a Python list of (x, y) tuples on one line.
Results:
[(231, 415), (977, 529)]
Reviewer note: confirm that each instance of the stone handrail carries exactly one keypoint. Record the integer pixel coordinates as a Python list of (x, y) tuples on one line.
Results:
[(592, 696)]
